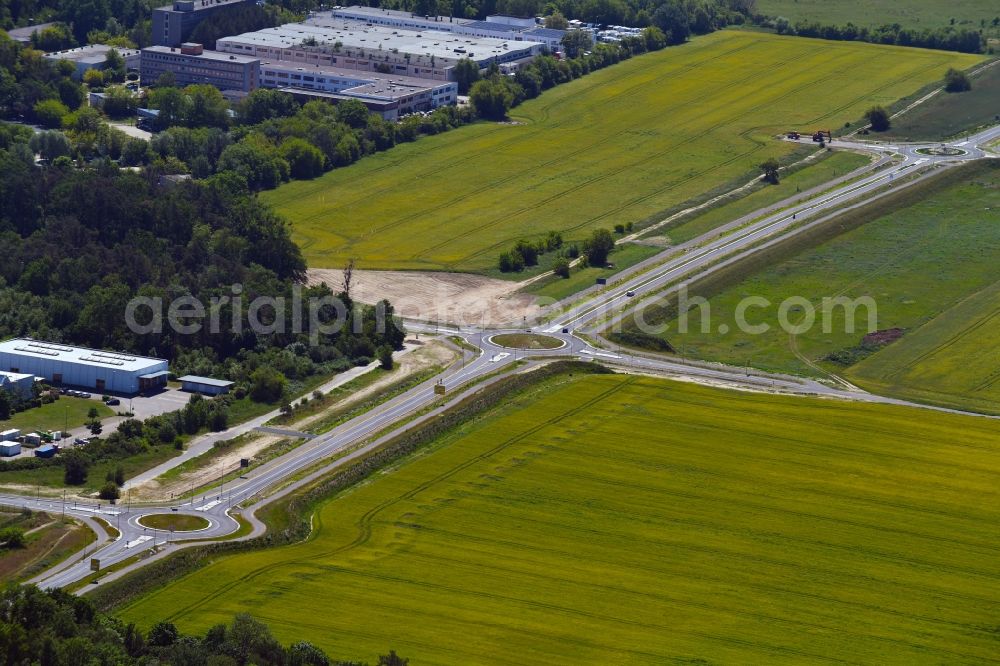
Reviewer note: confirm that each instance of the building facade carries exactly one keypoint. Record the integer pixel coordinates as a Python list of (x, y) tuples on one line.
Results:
[(396, 95), (191, 64), (103, 371), (173, 24)]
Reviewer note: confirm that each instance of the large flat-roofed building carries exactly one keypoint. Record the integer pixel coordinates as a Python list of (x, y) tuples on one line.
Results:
[(104, 371), (93, 56), (508, 28), (389, 95), (191, 64), (351, 45), (173, 24)]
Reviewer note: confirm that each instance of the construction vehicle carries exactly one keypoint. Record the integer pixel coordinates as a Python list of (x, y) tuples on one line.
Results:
[(822, 135), (793, 135)]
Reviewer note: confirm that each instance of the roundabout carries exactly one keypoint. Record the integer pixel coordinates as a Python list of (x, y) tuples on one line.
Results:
[(942, 151), (529, 341), (174, 522)]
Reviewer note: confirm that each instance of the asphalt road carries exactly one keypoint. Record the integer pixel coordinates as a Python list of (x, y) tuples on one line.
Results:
[(324, 453)]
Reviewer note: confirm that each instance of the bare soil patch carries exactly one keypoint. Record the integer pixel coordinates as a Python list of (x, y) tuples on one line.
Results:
[(460, 299)]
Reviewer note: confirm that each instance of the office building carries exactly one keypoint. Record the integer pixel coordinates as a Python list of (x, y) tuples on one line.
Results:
[(173, 24)]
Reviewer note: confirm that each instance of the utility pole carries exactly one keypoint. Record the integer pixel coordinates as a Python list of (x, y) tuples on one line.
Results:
[(64, 505), (222, 489)]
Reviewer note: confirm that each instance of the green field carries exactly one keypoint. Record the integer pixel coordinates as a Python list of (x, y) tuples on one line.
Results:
[(953, 360), (948, 114), (66, 412), (632, 520), (837, 164), (918, 14), (617, 146), (916, 263)]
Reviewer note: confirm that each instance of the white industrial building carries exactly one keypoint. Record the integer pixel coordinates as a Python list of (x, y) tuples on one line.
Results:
[(348, 44), (18, 383), (508, 28), (103, 371)]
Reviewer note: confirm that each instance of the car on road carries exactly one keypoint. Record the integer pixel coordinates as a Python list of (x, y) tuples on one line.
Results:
[(630, 293), (111, 402)]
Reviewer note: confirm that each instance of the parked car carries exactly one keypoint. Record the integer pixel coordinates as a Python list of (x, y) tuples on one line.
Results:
[(112, 402)]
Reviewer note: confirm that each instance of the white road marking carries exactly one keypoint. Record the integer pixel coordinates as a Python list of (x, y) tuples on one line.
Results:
[(136, 542)]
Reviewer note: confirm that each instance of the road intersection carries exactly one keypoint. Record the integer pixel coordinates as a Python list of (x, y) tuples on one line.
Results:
[(574, 326)]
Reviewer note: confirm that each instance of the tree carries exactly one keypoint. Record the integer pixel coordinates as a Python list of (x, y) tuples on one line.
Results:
[(263, 104), (672, 19), (770, 168), (118, 102), (94, 78), (598, 247), (95, 427), (114, 66), (491, 99), (12, 537), (119, 476), (110, 491), (556, 21), (306, 654), (207, 107), (561, 267), (354, 113), (576, 42), (267, 385), (50, 112), (50, 144), (75, 468), (466, 72), (304, 159), (956, 81), (878, 117), (162, 634), (392, 659), (385, 357)]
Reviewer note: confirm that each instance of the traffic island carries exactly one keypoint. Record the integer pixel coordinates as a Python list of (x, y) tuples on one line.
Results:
[(174, 522), (527, 341)]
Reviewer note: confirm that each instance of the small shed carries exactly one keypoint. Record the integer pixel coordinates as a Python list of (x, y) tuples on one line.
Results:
[(46, 451), (32, 439), (8, 449), (10, 435), (205, 385)]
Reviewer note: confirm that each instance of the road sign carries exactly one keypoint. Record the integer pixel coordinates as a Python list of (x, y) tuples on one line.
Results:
[(95, 564)]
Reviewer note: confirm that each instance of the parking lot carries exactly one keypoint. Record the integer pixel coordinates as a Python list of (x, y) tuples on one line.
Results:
[(142, 406)]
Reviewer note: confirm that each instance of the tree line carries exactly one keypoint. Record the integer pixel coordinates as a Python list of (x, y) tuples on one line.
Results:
[(945, 38), (55, 628)]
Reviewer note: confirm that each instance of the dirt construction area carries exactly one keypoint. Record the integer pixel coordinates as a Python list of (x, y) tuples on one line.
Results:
[(459, 299)]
